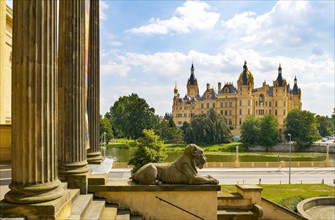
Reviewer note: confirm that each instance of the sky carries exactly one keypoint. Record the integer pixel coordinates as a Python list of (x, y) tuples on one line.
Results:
[(146, 47)]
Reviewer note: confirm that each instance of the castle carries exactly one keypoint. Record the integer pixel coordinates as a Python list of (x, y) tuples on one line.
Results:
[(235, 104)]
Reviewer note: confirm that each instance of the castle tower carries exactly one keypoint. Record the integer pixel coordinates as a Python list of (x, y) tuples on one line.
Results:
[(244, 105), (192, 85), (296, 95)]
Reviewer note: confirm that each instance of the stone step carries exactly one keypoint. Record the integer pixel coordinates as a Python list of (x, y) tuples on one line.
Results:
[(123, 214), (136, 217), (235, 214), (108, 213), (233, 200), (94, 210), (80, 205)]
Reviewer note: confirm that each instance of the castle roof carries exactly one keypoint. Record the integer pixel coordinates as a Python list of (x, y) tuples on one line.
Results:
[(245, 76), (228, 88), (209, 94)]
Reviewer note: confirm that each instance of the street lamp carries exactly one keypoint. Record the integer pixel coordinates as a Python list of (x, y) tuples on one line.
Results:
[(289, 165)]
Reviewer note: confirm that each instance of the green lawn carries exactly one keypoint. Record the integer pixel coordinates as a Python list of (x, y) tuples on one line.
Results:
[(230, 147), (289, 195)]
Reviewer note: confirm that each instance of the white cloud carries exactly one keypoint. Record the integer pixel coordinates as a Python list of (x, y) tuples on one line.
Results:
[(112, 40), (285, 25), (103, 7), (193, 15)]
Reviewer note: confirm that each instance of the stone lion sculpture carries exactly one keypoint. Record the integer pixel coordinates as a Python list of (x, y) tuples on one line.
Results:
[(181, 171)]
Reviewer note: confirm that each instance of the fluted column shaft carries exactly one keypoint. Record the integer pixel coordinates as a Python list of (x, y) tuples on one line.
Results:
[(34, 101), (71, 88), (93, 96)]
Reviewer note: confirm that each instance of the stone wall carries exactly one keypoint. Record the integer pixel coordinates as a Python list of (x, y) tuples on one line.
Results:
[(5, 144)]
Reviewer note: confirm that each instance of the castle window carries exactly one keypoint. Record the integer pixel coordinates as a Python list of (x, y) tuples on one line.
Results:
[(225, 112), (226, 104), (230, 121), (248, 102), (284, 112), (185, 114), (229, 112), (240, 102), (221, 112), (261, 99), (266, 103), (226, 90), (248, 111), (240, 111), (221, 104), (230, 104), (202, 105), (275, 112), (240, 121), (284, 103), (270, 104), (276, 104)]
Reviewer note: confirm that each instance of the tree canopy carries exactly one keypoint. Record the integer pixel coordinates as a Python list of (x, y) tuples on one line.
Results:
[(325, 125), (106, 127), (210, 128), (148, 150), (262, 131), (250, 130), (303, 126), (130, 115)]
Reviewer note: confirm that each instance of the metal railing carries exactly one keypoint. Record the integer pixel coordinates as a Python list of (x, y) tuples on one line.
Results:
[(160, 199)]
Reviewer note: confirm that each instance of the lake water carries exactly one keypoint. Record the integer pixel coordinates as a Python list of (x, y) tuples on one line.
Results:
[(122, 155)]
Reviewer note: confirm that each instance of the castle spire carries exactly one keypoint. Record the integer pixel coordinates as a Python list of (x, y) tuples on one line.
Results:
[(192, 77), (175, 88), (295, 87)]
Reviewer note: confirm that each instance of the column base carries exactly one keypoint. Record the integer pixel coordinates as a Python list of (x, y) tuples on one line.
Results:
[(59, 208), (94, 157), (28, 194), (76, 181), (75, 174)]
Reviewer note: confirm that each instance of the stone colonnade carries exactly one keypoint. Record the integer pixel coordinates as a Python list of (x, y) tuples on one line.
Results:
[(48, 117)]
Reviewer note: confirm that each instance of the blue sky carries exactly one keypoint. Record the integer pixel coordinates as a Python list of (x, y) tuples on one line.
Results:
[(148, 46)]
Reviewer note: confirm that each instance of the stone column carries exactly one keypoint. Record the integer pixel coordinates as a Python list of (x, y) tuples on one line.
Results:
[(34, 95), (72, 94), (93, 96)]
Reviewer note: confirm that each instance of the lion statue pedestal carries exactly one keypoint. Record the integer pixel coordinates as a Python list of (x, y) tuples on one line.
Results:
[(181, 171)]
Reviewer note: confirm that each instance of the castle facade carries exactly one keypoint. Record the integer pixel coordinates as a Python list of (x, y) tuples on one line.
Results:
[(235, 104)]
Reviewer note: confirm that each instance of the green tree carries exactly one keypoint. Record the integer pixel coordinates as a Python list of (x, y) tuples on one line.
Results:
[(268, 131), (168, 131), (149, 149), (130, 115), (210, 128), (106, 127), (302, 125), (326, 126), (250, 130)]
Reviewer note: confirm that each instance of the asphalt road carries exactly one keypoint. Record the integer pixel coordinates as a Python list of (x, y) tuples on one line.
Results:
[(257, 175)]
